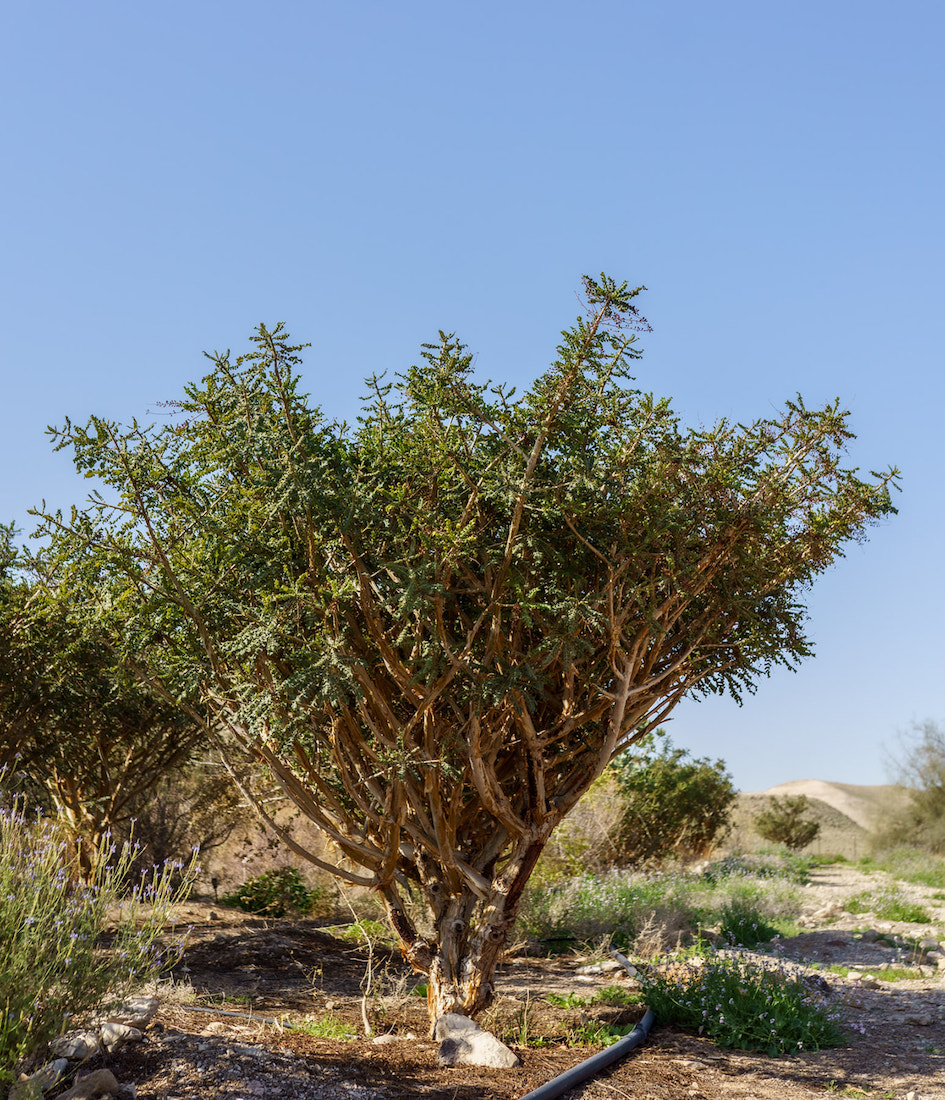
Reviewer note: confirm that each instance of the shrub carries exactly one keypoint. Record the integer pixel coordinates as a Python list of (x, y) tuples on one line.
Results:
[(744, 926), (741, 1003), (274, 894), (51, 966), (672, 805), (784, 822)]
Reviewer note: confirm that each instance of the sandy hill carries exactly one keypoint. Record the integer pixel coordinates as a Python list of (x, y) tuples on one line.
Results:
[(847, 813)]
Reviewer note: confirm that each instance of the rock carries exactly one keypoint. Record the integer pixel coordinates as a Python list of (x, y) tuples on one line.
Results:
[(593, 968), (39, 1082), (930, 944), (918, 1019), (115, 1036), (464, 1043), (100, 1082), (76, 1045), (870, 935), (135, 1012)]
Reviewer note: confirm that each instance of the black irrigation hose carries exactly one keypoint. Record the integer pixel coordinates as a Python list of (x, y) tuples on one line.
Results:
[(595, 1064)]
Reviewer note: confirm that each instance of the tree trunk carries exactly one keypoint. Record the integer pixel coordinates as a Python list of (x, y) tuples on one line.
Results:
[(461, 972)]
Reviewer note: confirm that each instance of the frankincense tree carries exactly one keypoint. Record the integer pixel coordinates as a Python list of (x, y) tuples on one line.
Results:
[(437, 629)]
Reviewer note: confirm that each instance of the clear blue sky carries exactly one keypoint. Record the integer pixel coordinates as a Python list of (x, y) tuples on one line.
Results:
[(372, 172)]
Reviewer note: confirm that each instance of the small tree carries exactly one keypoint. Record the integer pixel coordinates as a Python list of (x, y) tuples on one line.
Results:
[(674, 805), (784, 822), (75, 723), (437, 630)]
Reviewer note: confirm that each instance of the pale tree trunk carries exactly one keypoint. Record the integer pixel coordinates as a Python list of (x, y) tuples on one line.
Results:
[(460, 966)]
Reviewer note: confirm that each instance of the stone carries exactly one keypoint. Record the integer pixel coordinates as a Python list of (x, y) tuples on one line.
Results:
[(115, 1036), (101, 1082), (464, 1043), (918, 1019), (39, 1082), (135, 1012), (76, 1045)]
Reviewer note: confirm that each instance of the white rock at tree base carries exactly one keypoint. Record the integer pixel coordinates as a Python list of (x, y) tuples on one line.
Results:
[(464, 1043)]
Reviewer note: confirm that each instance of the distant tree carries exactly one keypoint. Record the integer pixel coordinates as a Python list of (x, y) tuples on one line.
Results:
[(673, 805), (438, 629), (75, 723), (921, 770), (784, 822)]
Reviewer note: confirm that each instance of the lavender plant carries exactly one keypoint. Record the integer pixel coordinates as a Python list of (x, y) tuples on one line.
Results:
[(53, 966)]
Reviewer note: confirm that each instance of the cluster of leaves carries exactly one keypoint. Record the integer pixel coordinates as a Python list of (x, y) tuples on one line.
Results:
[(740, 1003), (672, 805), (785, 822), (51, 967), (274, 894)]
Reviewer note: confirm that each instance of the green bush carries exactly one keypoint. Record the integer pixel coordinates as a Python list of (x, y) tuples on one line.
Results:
[(672, 805), (743, 926), (741, 1003), (52, 969), (274, 894), (784, 822)]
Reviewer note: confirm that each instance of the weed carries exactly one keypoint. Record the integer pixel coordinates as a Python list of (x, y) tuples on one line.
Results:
[(595, 1033), (360, 930), (846, 1090), (888, 903), (327, 1027), (741, 1003), (744, 926)]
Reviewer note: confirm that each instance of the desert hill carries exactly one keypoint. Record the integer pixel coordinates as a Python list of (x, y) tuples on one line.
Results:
[(847, 813)]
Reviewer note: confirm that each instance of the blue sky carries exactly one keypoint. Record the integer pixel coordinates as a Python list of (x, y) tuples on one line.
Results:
[(373, 172)]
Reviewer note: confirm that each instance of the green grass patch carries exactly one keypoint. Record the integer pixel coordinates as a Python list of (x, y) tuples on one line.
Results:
[(909, 865), (363, 931), (328, 1026), (888, 903)]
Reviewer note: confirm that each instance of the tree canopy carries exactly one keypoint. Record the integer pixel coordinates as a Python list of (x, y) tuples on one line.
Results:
[(438, 627)]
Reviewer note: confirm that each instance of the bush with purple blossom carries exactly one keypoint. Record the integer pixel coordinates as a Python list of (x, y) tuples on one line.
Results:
[(54, 965)]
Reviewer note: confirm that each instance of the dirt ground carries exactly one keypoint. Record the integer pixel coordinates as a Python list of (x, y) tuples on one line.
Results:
[(210, 1039)]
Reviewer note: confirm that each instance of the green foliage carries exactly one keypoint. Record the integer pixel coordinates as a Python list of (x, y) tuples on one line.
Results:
[(438, 628), (52, 970), (273, 894), (888, 903), (672, 805), (327, 1026), (76, 727), (660, 908), (784, 822), (741, 1003), (743, 926)]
